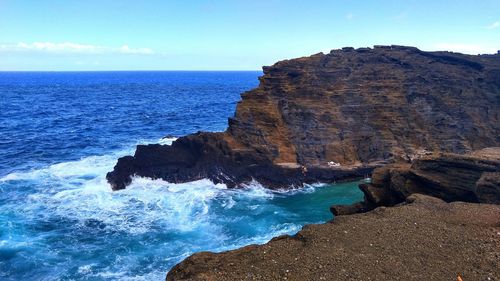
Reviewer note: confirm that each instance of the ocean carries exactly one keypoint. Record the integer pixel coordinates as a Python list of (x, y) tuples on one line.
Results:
[(61, 132)]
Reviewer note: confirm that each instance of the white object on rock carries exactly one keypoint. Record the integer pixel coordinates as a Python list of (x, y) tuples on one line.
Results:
[(333, 164)]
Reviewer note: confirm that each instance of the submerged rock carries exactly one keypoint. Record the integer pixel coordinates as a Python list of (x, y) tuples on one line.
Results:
[(357, 108)]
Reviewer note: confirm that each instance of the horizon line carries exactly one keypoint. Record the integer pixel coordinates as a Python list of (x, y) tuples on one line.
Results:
[(142, 70)]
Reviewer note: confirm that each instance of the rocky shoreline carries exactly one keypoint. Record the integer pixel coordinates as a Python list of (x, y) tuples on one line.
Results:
[(426, 239), (418, 238), (203, 156), (425, 125), (473, 177), (356, 108)]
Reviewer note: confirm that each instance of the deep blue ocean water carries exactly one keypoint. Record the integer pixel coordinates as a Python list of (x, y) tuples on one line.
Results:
[(60, 132)]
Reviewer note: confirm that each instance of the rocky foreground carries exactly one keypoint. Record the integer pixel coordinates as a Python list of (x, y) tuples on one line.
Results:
[(426, 239), (417, 238), (336, 116)]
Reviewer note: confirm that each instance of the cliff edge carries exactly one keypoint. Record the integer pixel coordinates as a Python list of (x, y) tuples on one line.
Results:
[(337, 116), (472, 177), (418, 238), (426, 239)]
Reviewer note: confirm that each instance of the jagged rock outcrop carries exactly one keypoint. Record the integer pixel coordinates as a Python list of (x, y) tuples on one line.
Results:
[(473, 177), (359, 108), (386, 243), (426, 239)]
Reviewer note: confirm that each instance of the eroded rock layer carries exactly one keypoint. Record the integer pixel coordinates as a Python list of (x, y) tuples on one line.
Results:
[(473, 177), (357, 108)]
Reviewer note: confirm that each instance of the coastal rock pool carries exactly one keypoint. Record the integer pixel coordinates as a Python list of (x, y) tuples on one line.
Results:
[(62, 132)]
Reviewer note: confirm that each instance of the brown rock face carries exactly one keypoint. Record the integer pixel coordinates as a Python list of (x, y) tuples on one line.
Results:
[(359, 108), (427, 239), (473, 177)]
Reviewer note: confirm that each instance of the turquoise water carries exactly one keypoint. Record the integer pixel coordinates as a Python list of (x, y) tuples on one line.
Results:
[(61, 133)]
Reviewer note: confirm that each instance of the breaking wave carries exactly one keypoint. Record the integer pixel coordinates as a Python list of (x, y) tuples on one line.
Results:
[(64, 222)]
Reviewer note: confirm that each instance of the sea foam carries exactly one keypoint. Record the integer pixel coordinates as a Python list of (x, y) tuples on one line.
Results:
[(74, 216)]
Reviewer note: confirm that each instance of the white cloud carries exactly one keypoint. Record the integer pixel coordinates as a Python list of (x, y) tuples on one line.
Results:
[(125, 49), (493, 25), (349, 16), (472, 49), (69, 47)]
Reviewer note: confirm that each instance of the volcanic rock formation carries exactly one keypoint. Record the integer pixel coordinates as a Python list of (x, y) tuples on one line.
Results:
[(359, 108), (473, 177), (386, 243)]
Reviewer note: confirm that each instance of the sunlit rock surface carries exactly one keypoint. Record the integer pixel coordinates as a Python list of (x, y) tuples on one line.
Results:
[(360, 108)]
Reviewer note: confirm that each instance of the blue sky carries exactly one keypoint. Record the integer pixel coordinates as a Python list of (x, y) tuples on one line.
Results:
[(229, 35)]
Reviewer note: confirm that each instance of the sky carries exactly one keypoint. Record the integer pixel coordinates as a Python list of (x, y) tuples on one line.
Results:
[(66, 35)]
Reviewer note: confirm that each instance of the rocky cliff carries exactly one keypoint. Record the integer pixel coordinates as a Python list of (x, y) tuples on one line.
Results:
[(472, 177), (336, 116), (382, 243)]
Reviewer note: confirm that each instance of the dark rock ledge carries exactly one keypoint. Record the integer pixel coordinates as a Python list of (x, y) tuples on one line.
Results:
[(361, 108), (473, 177), (205, 155)]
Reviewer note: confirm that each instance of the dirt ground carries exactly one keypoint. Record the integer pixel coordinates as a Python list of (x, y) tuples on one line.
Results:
[(426, 239)]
